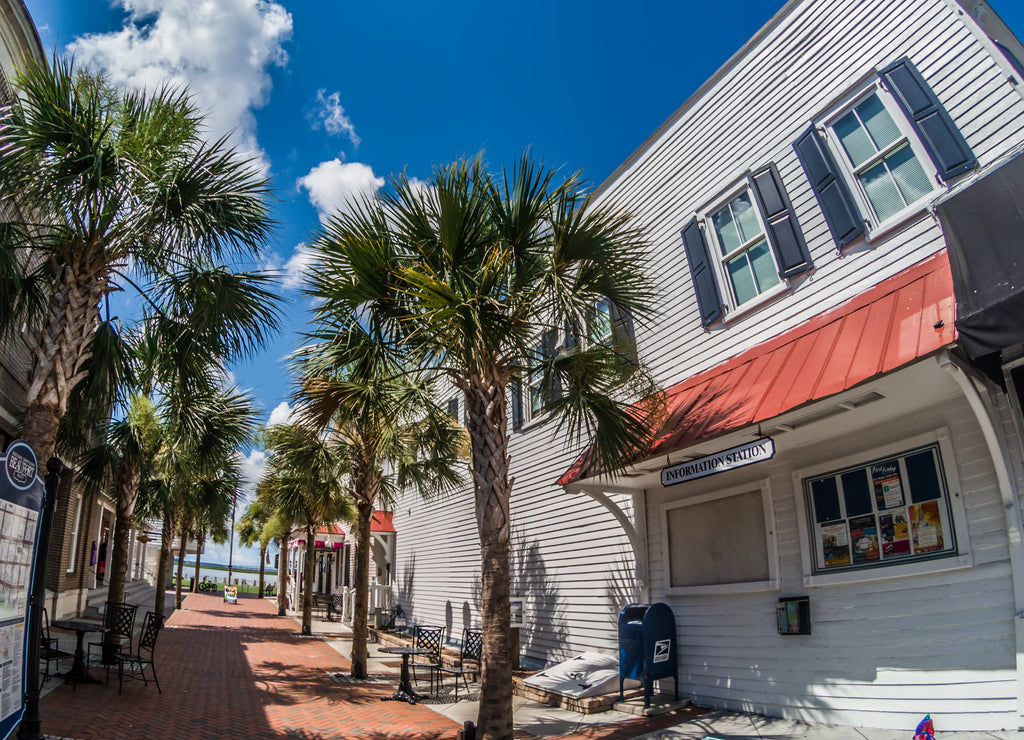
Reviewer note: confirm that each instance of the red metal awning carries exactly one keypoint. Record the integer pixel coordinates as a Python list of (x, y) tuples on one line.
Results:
[(905, 317), (382, 522)]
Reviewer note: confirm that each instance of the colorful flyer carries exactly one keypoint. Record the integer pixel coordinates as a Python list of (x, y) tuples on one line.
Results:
[(926, 526), (888, 488), (895, 533), (835, 544), (864, 537)]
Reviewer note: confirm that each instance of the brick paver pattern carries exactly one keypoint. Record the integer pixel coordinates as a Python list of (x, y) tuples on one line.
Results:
[(240, 671)]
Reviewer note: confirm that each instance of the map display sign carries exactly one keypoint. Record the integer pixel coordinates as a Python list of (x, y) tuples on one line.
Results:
[(21, 501)]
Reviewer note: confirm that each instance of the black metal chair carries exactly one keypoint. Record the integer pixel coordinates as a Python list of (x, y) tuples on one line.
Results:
[(136, 662), (472, 650), (49, 650), (119, 621), (428, 638)]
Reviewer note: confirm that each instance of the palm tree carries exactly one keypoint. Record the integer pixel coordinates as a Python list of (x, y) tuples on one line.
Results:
[(252, 530), (303, 482), (386, 420), (207, 511), (124, 193), (464, 277), (198, 465), (122, 458)]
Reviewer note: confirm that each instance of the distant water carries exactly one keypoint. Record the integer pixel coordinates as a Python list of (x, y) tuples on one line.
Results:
[(219, 571)]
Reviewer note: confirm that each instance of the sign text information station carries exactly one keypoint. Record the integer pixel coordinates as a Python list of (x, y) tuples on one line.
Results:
[(735, 457)]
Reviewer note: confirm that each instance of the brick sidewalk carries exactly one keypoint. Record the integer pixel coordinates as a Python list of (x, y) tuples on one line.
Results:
[(240, 671)]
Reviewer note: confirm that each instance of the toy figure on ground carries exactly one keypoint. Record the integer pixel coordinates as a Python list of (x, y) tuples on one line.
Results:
[(925, 730)]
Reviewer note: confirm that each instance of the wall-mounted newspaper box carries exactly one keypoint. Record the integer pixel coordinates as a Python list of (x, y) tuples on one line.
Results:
[(647, 646)]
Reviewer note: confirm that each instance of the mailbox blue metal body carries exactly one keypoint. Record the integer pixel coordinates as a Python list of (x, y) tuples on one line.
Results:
[(647, 646)]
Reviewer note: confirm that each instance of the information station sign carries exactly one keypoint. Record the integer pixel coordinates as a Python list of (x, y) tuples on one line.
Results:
[(21, 502)]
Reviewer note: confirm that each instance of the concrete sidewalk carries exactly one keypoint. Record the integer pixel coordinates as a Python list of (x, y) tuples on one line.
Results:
[(541, 721), (240, 671)]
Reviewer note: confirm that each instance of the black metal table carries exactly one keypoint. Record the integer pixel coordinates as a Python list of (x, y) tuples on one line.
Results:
[(79, 671), (404, 691)]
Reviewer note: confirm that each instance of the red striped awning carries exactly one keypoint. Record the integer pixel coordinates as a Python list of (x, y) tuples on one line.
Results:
[(907, 316)]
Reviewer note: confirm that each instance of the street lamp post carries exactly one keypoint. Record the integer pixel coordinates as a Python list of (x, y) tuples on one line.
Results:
[(231, 542)]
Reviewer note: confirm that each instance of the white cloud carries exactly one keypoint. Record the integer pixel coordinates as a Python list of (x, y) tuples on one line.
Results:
[(297, 266), (331, 116), (220, 49), (334, 185), (282, 414), (252, 467)]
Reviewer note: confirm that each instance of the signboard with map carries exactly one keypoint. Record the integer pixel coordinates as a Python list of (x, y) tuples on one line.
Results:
[(21, 501)]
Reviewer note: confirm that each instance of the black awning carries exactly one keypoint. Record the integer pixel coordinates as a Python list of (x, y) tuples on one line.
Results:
[(984, 229)]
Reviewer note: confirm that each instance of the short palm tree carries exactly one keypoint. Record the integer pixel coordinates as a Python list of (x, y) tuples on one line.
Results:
[(121, 460), (198, 466), (252, 530), (380, 420), (304, 483), (120, 191), (464, 277)]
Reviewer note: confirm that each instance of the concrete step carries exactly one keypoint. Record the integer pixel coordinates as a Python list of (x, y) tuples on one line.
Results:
[(139, 592)]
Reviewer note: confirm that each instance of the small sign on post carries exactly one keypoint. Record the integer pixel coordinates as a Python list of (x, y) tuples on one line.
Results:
[(231, 594)]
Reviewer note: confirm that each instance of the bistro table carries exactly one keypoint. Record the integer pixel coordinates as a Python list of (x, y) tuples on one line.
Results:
[(404, 691), (79, 672)]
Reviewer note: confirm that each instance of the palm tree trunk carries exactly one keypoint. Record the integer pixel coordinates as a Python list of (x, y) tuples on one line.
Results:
[(63, 348), (127, 494), (282, 576), (200, 543), (182, 544), (166, 541), (307, 596), (485, 402), (360, 631)]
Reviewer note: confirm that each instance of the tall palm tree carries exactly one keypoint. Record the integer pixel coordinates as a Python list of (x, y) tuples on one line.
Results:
[(387, 420), (464, 277), (303, 482), (122, 192)]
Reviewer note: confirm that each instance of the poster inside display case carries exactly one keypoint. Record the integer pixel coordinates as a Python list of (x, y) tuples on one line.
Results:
[(21, 501), (895, 509)]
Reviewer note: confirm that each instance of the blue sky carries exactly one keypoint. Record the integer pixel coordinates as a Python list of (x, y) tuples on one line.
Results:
[(332, 96)]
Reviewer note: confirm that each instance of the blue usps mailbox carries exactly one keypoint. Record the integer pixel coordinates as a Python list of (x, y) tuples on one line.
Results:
[(647, 646)]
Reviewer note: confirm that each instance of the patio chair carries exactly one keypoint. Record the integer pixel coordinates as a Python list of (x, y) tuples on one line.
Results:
[(135, 663), (472, 650), (118, 620), (49, 650), (428, 638)]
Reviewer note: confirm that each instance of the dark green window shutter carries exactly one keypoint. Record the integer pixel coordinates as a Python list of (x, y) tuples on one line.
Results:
[(783, 229), (516, 391), (453, 407), (624, 336), (940, 136), (841, 214), (705, 284)]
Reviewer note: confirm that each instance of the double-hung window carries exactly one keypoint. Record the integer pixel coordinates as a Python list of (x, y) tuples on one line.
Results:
[(599, 323), (747, 262), (882, 154), (880, 159), (743, 246)]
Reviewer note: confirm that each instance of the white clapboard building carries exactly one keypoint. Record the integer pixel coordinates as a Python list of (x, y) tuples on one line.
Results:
[(832, 509)]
